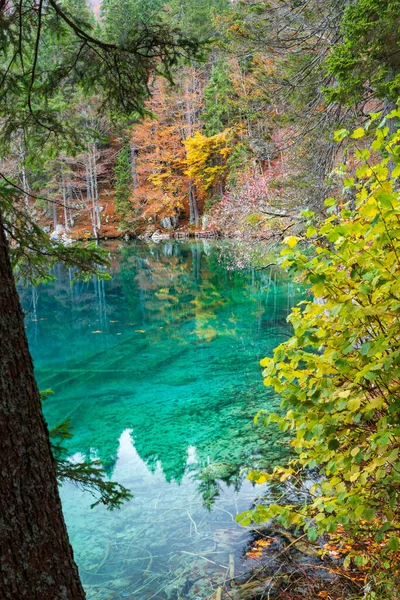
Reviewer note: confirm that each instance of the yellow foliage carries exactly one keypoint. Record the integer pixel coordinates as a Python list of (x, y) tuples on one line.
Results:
[(206, 157)]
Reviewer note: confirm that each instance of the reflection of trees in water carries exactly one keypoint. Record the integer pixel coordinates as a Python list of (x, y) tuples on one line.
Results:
[(212, 476), (184, 371), (169, 284)]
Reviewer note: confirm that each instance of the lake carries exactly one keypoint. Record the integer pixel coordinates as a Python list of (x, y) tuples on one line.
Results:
[(158, 371)]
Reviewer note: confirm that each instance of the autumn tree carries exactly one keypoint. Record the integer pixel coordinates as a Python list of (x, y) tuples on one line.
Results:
[(165, 192), (162, 187), (206, 160), (323, 61)]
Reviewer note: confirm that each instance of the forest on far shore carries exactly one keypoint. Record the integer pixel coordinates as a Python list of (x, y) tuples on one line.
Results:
[(234, 141)]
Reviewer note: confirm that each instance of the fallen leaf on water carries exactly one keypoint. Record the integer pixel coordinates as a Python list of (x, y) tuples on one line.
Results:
[(253, 554), (140, 331), (263, 543)]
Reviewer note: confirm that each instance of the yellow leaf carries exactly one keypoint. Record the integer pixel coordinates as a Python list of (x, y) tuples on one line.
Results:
[(396, 172), (358, 133), (265, 362), (354, 404), (291, 241)]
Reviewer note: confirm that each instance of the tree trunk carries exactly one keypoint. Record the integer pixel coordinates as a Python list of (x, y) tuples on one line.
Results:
[(388, 106), (90, 192), (36, 559), (24, 174), (65, 199), (69, 197), (133, 167), (193, 206), (55, 223), (95, 186)]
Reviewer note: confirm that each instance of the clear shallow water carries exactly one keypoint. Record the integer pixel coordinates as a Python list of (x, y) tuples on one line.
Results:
[(158, 371)]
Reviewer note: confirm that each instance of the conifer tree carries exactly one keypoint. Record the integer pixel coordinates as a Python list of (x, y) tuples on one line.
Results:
[(217, 110), (123, 186)]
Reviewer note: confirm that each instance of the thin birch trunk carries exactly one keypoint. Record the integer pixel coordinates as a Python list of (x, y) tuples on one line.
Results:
[(64, 195)]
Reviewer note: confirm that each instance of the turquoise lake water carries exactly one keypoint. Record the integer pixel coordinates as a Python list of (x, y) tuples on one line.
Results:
[(158, 372)]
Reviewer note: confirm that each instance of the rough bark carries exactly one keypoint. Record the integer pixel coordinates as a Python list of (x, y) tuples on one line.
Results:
[(36, 559)]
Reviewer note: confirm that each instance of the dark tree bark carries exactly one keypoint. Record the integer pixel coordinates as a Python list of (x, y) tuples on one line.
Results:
[(36, 559)]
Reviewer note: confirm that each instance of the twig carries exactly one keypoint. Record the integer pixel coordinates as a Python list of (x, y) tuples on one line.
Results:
[(192, 520), (204, 558)]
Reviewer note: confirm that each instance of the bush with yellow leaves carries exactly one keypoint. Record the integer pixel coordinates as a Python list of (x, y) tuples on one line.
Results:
[(339, 375)]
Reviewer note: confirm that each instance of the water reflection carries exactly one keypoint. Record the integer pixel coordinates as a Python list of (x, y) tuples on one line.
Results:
[(158, 372)]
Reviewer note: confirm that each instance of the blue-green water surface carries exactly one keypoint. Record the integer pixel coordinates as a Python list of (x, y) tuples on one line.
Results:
[(158, 372)]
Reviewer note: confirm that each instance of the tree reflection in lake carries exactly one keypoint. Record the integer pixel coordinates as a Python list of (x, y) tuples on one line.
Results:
[(158, 371)]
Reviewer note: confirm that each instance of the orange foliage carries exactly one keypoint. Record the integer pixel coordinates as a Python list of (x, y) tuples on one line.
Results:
[(347, 549), (162, 185), (257, 548)]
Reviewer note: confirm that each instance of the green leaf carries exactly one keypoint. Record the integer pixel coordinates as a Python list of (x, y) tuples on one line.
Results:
[(369, 514), (312, 534), (339, 374), (394, 544), (333, 444), (359, 561), (359, 510)]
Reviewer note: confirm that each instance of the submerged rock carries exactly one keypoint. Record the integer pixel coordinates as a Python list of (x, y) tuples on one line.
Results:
[(124, 582)]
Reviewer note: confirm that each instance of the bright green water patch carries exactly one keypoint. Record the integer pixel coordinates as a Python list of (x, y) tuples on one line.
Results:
[(158, 371)]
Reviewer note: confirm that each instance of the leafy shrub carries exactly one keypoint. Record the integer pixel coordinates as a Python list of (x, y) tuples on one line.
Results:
[(339, 375)]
